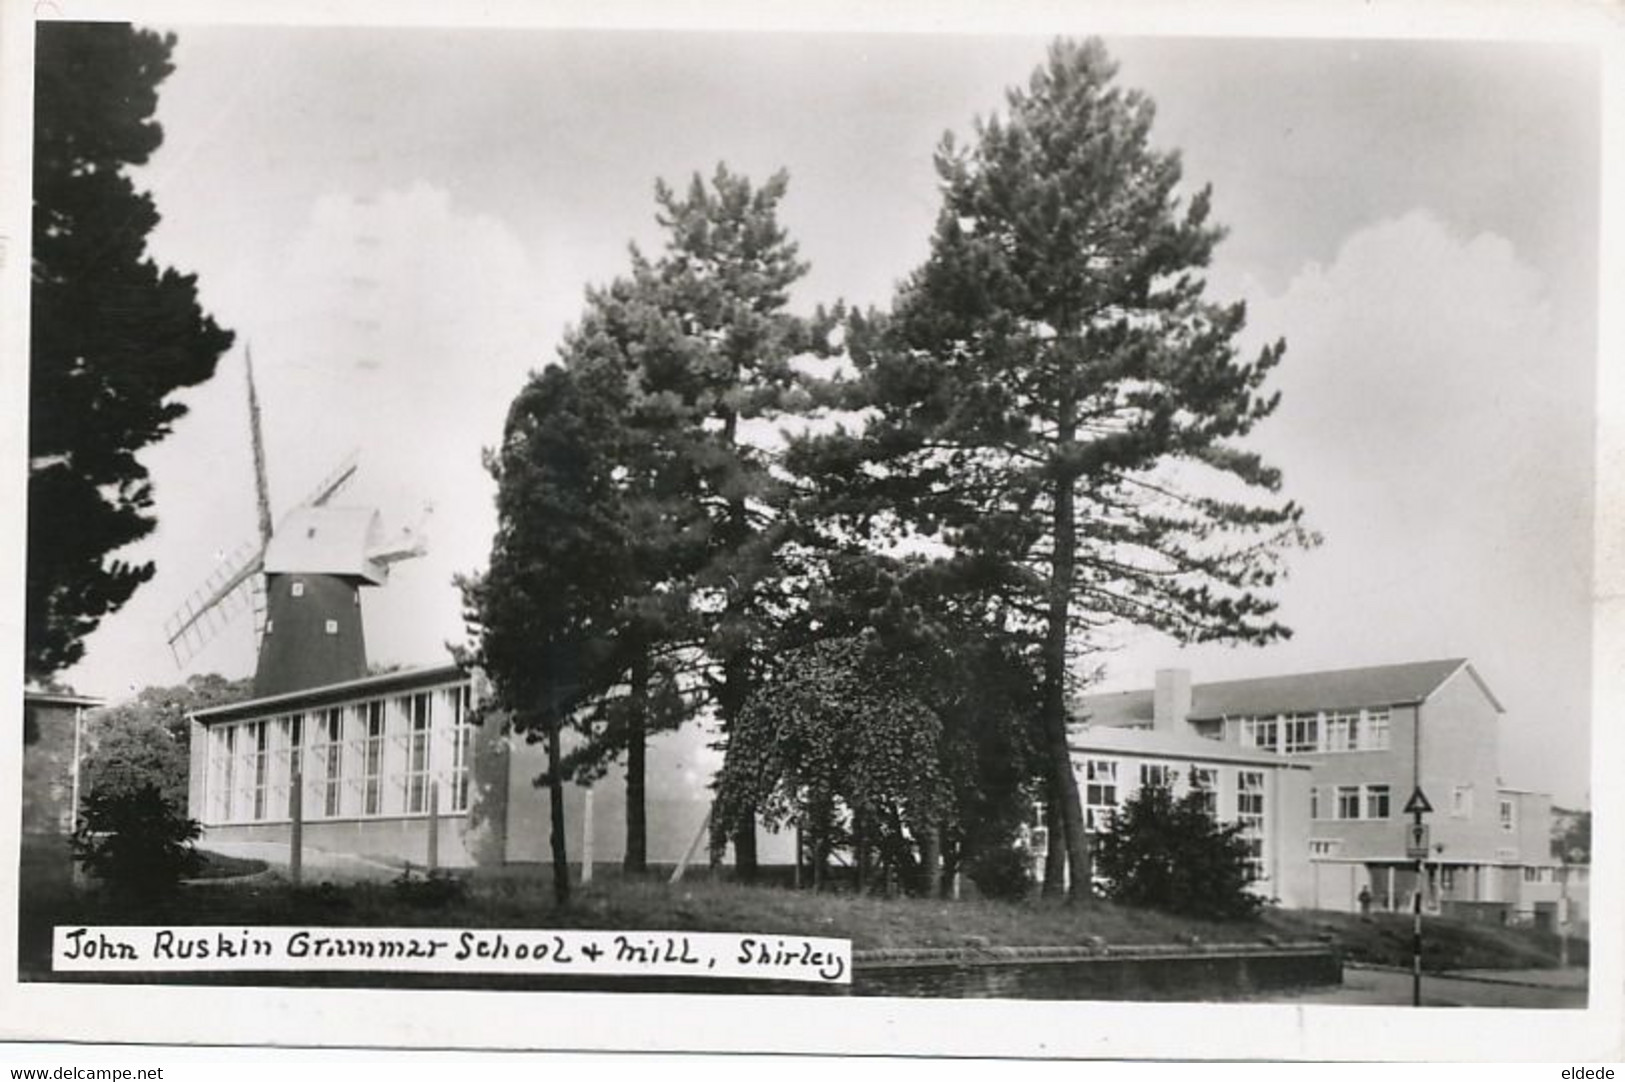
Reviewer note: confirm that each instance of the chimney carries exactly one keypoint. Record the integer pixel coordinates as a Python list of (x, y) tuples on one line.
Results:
[(1171, 701)]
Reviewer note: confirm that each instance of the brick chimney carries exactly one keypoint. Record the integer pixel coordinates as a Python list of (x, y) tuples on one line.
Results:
[(1171, 701)]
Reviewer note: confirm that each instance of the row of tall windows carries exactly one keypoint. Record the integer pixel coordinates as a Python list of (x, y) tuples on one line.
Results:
[(1102, 793), (1318, 732), (375, 757)]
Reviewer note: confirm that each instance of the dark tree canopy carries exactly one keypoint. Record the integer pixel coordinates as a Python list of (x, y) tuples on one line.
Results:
[(1057, 404), (145, 740), (113, 334)]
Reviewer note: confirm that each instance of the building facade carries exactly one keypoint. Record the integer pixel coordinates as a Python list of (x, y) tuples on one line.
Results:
[(53, 746), (406, 767), (1371, 737), (1266, 793)]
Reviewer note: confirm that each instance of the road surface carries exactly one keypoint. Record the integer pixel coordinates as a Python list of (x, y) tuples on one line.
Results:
[(1508, 988)]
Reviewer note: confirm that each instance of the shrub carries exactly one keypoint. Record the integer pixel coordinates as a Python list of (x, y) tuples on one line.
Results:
[(135, 840), (1172, 855), (1004, 873), (433, 889)]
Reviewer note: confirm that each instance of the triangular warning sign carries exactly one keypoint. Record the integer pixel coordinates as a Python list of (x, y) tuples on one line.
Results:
[(1418, 803)]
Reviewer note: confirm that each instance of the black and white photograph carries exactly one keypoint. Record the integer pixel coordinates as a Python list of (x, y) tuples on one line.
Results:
[(931, 535)]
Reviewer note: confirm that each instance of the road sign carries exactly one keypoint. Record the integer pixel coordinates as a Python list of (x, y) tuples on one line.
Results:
[(1418, 803), (1416, 841)]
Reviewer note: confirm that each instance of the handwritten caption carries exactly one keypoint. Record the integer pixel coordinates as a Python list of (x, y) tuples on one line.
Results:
[(452, 950)]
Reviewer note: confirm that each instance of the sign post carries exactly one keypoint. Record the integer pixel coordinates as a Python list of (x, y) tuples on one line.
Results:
[(1416, 848)]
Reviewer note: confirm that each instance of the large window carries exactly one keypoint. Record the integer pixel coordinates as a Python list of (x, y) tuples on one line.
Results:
[(1348, 802), (462, 745), (1374, 733), (222, 759), (257, 738), (1342, 731), (1376, 801), (1205, 783), (1302, 734), (327, 753), (1260, 733), (372, 761), (1100, 793), (416, 780), (1250, 814), (1156, 774)]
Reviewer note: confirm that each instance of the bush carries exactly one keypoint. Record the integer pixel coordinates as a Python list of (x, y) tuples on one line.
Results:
[(135, 840), (1005, 873), (1172, 855), (433, 889)]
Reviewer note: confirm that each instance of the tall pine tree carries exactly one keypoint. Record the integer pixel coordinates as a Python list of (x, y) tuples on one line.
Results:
[(1058, 403), (718, 359), (113, 334)]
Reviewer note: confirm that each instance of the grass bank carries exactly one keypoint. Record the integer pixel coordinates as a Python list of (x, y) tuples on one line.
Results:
[(705, 904)]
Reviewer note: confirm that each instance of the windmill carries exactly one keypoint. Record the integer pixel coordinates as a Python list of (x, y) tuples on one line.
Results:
[(302, 580)]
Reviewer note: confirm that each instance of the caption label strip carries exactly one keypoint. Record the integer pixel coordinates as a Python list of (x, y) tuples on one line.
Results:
[(82, 949)]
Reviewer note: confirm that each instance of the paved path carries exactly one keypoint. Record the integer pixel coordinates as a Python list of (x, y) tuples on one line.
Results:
[(317, 865), (1486, 988)]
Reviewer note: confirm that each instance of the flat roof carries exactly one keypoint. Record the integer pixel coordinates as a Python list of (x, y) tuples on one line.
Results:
[(60, 698), (1117, 740), (381, 683)]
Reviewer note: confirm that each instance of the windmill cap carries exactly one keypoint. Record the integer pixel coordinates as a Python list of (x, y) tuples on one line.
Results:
[(327, 541)]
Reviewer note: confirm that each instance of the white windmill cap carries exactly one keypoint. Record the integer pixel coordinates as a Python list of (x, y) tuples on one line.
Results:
[(327, 541)]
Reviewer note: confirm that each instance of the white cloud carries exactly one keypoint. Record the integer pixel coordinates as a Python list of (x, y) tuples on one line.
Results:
[(1435, 425), (401, 326)]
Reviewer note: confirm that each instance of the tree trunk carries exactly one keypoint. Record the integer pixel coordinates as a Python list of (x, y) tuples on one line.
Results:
[(860, 851), (735, 690), (1055, 853), (637, 832), (555, 800), (930, 861), (1063, 567)]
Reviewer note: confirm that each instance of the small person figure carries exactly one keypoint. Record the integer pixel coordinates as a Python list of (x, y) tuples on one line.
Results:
[(1365, 901)]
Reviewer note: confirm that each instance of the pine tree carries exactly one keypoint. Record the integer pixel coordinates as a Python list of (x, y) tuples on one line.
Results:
[(1058, 403), (543, 617), (714, 349), (113, 334)]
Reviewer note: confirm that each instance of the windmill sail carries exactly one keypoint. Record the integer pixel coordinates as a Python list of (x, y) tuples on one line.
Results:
[(262, 490), (230, 588)]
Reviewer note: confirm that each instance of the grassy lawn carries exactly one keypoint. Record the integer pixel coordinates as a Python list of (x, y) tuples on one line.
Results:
[(522, 900)]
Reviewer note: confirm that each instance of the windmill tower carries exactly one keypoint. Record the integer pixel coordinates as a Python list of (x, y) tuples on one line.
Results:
[(303, 581)]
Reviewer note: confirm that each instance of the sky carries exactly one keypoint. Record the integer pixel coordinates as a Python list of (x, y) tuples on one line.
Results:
[(401, 223)]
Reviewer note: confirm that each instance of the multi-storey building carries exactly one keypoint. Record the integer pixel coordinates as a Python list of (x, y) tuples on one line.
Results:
[(1372, 737)]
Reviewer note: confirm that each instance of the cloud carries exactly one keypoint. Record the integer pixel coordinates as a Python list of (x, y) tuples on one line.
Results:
[(1435, 423), (399, 325)]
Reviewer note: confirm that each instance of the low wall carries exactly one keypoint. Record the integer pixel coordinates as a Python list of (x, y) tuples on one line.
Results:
[(1217, 971)]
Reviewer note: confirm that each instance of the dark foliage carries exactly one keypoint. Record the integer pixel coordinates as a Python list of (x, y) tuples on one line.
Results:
[(136, 841), (1054, 400), (1171, 854), (146, 739), (112, 334), (435, 888), (1004, 873)]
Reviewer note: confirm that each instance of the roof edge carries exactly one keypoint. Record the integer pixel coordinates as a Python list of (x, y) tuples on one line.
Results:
[(344, 689), (1477, 679)]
